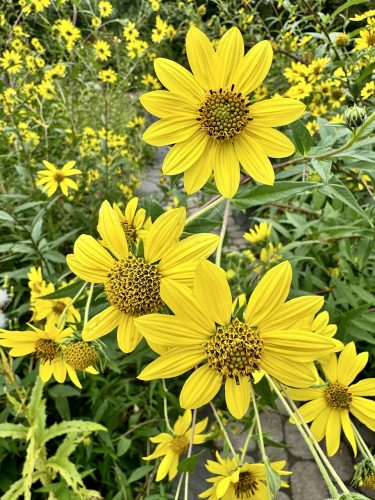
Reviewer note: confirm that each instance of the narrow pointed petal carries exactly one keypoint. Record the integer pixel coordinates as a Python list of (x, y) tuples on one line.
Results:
[(101, 324), (333, 432), (179, 80), (276, 112), (230, 52), (163, 104), (300, 346), (226, 170), (164, 234), (171, 130), (294, 374), (199, 174), (312, 409), (274, 143), (200, 388), (182, 423), (87, 272), (293, 311), (319, 425), (253, 159), (111, 231), (350, 364), (348, 430), (202, 58), (128, 337), (364, 387), (237, 396), (253, 68), (185, 154)]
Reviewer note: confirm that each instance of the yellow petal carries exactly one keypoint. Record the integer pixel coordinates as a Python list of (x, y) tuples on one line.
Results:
[(364, 387), (87, 272), (185, 306), (91, 255), (171, 130), (128, 336), (312, 409), (226, 170), (170, 331), (364, 410), (173, 363), (348, 430), (199, 174), (73, 376), (131, 209), (45, 371), (269, 294), (164, 466), (202, 58), (110, 229), (164, 104), (292, 374), (230, 51), (182, 423), (276, 112), (164, 234), (350, 364), (305, 394), (272, 142), (319, 425), (253, 68), (59, 370), (293, 311), (101, 324), (253, 159), (212, 291), (185, 154), (179, 80), (333, 432), (237, 396), (222, 487), (299, 346), (200, 388), (330, 368)]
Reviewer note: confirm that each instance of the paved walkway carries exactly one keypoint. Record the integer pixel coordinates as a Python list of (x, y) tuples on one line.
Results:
[(306, 482)]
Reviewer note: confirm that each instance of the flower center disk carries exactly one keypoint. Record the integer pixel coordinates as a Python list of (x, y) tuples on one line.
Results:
[(45, 350), (224, 114), (133, 287), (246, 484), (235, 350), (180, 444), (80, 355), (338, 396)]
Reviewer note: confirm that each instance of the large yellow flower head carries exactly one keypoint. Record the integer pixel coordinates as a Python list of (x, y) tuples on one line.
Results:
[(232, 481), (171, 446), (133, 281), (210, 117), (133, 220), (47, 346), (234, 349), (329, 407), (54, 177)]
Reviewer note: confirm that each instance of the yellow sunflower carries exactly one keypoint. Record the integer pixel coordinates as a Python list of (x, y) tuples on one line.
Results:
[(235, 349), (52, 309), (132, 282), (329, 407), (133, 220), (232, 480), (210, 117), (172, 446), (54, 177), (46, 345), (258, 233)]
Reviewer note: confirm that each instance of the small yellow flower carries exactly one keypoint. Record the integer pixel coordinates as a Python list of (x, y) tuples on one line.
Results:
[(312, 126), (133, 220), (46, 89), (368, 90), (130, 32), (102, 50), (11, 61), (52, 309), (171, 446), (329, 407), (160, 30), (54, 177), (96, 22), (258, 233), (108, 75), (233, 481), (366, 40), (105, 8), (342, 39), (150, 81)]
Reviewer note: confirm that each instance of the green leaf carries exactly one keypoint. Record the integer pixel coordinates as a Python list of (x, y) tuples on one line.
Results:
[(188, 464), (301, 136), (71, 427), (139, 473), (66, 291), (323, 168), (123, 446), (5, 216), (338, 191), (273, 480), (249, 196), (201, 225), (346, 5), (67, 470), (60, 390), (14, 431)]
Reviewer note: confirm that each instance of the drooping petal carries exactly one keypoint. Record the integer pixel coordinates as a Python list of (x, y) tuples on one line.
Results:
[(230, 51), (171, 130), (128, 336), (253, 159), (185, 154), (276, 112), (364, 410), (164, 466), (333, 432), (212, 291), (200, 388), (90, 255), (348, 430), (253, 68), (269, 294), (164, 234), (163, 104), (237, 396), (319, 425), (202, 58), (73, 376), (173, 363), (272, 142), (293, 311), (179, 80), (101, 324), (45, 371), (110, 229), (226, 169)]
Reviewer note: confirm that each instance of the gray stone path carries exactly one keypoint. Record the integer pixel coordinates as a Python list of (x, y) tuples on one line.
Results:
[(306, 482)]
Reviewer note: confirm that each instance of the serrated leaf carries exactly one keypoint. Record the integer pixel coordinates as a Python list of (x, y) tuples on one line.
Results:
[(14, 431), (301, 136), (248, 196), (67, 470), (71, 427), (188, 464)]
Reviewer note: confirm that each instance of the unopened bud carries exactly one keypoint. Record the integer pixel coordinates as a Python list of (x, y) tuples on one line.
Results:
[(355, 116)]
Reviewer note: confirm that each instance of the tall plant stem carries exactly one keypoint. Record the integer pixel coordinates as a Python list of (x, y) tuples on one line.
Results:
[(225, 434), (222, 233)]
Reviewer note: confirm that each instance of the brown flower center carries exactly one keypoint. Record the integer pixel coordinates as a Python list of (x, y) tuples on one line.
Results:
[(338, 396), (80, 355), (224, 114), (130, 232), (246, 484), (371, 39), (45, 350), (235, 350), (180, 444), (58, 307), (59, 176), (134, 287)]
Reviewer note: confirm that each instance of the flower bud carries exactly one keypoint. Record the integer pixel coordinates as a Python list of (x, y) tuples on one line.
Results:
[(355, 116)]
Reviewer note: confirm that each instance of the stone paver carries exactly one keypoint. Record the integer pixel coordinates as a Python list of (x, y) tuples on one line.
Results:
[(298, 447), (306, 482)]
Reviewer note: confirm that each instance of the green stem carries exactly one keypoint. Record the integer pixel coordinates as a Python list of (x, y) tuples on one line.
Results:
[(179, 485), (63, 314), (222, 233), (245, 446), (209, 206), (88, 302), (226, 437), (310, 443), (363, 446), (165, 404), (190, 450)]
